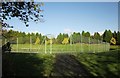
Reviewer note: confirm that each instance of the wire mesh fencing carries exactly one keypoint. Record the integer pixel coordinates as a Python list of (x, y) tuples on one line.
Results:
[(48, 45)]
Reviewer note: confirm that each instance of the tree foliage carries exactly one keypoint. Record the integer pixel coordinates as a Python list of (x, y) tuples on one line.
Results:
[(49, 41), (65, 41), (107, 35), (60, 38), (24, 11), (37, 40), (87, 34), (114, 34), (76, 37), (97, 36), (83, 33)]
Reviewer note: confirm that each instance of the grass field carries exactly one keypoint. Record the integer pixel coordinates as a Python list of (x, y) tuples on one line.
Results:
[(103, 64), (55, 48), (27, 64)]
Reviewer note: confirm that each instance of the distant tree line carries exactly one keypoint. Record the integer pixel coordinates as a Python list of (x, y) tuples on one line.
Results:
[(22, 36), (62, 38)]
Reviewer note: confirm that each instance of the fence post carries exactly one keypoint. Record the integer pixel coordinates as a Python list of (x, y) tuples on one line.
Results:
[(89, 44), (94, 46), (45, 44), (17, 44), (98, 45), (81, 44), (30, 43), (50, 45), (70, 39)]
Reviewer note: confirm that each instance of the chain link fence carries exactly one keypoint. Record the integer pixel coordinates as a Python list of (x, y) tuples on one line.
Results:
[(47, 45)]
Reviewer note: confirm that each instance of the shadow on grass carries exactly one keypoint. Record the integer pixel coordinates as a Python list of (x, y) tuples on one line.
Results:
[(67, 65), (105, 64), (18, 64), (29, 64)]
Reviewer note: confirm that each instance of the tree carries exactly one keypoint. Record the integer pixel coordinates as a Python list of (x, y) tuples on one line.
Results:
[(24, 11), (97, 36), (104, 36), (87, 34), (60, 38), (53, 40), (118, 38), (115, 35), (85, 37), (23, 38), (37, 40), (107, 36), (65, 41), (49, 41), (83, 33), (33, 36), (41, 38), (65, 35), (76, 37)]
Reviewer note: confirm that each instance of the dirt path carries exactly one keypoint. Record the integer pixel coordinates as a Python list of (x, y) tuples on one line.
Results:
[(67, 65)]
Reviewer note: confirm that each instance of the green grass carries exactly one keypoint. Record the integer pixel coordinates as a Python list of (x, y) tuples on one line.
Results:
[(27, 64), (105, 64), (114, 47), (102, 63), (61, 48)]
